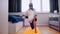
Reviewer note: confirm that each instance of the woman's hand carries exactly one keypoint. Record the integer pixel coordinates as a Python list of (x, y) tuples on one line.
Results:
[(30, 21)]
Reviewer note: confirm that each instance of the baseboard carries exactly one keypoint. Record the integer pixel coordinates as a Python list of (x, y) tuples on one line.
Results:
[(37, 25)]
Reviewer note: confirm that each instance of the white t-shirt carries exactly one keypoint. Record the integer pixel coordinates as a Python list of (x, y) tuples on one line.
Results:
[(31, 13)]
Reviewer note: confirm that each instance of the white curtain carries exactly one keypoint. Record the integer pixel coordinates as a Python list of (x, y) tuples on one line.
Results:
[(41, 6)]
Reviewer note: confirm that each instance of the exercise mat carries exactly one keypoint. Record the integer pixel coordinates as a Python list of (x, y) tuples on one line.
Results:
[(31, 31)]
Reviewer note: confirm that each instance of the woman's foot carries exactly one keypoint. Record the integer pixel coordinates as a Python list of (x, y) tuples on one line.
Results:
[(35, 31)]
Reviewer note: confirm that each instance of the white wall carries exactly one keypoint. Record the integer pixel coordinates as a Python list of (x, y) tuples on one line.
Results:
[(3, 16), (15, 13), (43, 18)]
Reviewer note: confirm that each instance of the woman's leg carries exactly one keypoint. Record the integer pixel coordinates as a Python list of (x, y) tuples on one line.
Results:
[(35, 26), (32, 25)]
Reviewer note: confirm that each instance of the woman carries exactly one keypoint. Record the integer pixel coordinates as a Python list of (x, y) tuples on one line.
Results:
[(32, 17)]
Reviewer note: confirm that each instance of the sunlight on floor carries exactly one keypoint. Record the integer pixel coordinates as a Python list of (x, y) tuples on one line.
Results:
[(31, 31), (43, 30)]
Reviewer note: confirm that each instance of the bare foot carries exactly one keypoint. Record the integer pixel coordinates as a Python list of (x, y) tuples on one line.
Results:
[(35, 31)]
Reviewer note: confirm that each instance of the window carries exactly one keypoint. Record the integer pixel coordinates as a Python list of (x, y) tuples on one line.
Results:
[(45, 6), (25, 5), (37, 5), (41, 6)]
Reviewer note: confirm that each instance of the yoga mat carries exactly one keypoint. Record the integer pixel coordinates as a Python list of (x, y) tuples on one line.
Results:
[(30, 31)]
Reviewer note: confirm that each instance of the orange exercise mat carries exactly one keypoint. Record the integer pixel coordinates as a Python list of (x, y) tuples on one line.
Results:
[(30, 31)]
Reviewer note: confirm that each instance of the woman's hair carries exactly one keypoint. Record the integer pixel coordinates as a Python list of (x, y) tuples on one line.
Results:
[(30, 5)]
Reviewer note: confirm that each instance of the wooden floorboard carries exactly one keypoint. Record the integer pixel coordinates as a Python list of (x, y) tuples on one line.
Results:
[(43, 30)]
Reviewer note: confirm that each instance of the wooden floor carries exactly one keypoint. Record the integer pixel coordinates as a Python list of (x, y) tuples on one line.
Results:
[(43, 30)]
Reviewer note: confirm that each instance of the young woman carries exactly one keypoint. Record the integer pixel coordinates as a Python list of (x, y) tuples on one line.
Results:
[(32, 17)]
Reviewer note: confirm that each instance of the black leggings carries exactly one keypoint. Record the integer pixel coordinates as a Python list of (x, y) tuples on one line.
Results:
[(32, 24)]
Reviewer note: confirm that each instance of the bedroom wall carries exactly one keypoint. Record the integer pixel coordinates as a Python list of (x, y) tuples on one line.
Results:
[(42, 18), (3, 16), (15, 13)]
